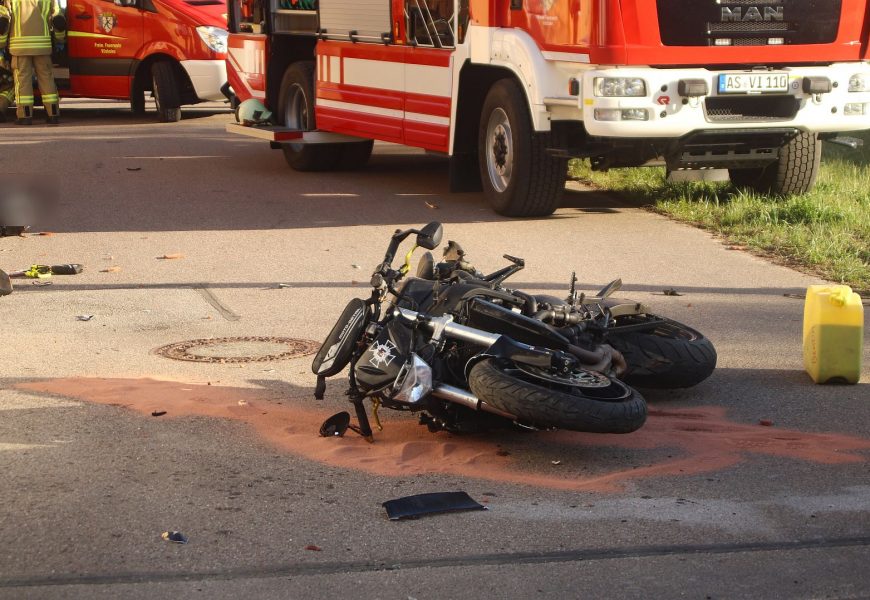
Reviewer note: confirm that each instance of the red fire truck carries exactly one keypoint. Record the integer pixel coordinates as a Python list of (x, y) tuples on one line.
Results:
[(510, 89), (175, 49)]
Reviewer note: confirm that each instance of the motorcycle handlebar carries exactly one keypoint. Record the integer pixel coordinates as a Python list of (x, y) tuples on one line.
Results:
[(446, 326)]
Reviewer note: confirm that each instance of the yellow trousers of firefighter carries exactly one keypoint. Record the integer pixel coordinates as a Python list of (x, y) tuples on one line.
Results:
[(23, 68)]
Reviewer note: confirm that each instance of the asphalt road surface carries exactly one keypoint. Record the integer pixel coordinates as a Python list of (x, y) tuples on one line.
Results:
[(704, 501)]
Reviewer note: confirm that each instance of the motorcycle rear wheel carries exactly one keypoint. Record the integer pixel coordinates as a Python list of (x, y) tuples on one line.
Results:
[(588, 402), (670, 355)]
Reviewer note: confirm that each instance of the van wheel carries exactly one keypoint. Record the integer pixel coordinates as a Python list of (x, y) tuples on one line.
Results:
[(296, 110), (137, 96), (166, 94)]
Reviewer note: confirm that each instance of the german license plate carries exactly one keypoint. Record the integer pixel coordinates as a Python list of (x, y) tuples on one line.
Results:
[(753, 83)]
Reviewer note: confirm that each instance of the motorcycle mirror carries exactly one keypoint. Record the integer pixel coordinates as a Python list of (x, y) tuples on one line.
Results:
[(335, 425), (430, 236)]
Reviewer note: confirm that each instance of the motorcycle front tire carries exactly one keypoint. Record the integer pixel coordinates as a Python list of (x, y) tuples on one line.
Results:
[(670, 355), (613, 408)]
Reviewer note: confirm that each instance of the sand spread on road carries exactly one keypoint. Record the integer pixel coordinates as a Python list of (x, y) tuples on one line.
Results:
[(671, 443)]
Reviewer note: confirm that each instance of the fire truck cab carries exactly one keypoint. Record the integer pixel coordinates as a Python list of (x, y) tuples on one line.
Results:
[(511, 89), (122, 49)]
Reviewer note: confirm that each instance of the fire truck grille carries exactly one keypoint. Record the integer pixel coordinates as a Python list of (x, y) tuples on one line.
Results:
[(748, 22), (750, 28), (750, 108)]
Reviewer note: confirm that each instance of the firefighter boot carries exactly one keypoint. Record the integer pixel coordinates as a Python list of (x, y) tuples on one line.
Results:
[(27, 119), (52, 114)]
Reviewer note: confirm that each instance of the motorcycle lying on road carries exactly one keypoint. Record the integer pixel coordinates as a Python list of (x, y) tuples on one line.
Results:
[(469, 354)]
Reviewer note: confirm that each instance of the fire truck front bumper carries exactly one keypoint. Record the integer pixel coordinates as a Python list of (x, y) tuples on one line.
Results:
[(207, 77), (648, 102)]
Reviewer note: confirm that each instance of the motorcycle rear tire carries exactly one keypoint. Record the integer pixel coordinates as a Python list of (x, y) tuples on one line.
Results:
[(615, 408), (671, 355)]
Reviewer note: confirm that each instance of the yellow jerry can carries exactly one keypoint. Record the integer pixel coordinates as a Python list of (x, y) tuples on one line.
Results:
[(833, 334)]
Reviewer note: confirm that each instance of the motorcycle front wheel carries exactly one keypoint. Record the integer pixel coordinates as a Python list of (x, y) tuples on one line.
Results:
[(667, 355), (581, 401)]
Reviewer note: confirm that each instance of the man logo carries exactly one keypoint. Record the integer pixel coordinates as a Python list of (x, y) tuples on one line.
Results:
[(108, 21), (753, 13)]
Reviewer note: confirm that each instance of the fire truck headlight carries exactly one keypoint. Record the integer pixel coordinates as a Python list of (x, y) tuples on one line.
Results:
[(859, 83), (610, 87), (213, 37), (621, 114)]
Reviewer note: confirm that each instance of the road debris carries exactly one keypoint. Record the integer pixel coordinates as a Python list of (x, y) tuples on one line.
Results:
[(671, 292), (765, 423), (170, 257), (174, 536), (158, 413), (313, 548), (112, 269), (411, 507), (84, 317), (432, 206), (134, 168), (555, 462)]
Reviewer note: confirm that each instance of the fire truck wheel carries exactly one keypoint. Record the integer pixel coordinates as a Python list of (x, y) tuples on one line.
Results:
[(794, 173), (166, 94), (355, 155), (520, 179), (296, 110)]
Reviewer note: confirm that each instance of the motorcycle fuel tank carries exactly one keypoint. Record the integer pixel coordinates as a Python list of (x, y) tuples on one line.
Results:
[(380, 364)]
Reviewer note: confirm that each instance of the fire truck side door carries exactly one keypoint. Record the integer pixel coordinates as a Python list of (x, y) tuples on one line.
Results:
[(429, 31), (104, 39), (246, 52)]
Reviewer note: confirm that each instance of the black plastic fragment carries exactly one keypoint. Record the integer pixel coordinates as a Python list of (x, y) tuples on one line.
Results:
[(411, 507)]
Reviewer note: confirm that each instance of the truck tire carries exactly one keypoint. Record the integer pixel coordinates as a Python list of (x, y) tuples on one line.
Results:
[(671, 355), (166, 92), (296, 110), (520, 178), (355, 155), (794, 173), (612, 407)]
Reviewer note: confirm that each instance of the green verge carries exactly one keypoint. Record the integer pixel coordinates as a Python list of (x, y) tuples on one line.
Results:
[(825, 232)]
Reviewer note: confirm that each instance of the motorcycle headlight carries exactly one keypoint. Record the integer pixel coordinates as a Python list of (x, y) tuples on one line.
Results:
[(610, 87), (213, 37)]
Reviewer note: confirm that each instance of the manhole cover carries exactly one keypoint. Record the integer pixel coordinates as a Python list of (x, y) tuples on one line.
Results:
[(238, 349)]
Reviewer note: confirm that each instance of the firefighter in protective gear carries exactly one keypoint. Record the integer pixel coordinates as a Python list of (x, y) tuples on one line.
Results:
[(30, 44), (7, 85)]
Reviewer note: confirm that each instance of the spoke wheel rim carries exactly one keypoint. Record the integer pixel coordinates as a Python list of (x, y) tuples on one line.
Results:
[(499, 150)]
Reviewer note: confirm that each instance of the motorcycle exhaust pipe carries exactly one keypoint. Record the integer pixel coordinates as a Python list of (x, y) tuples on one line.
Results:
[(460, 396)]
